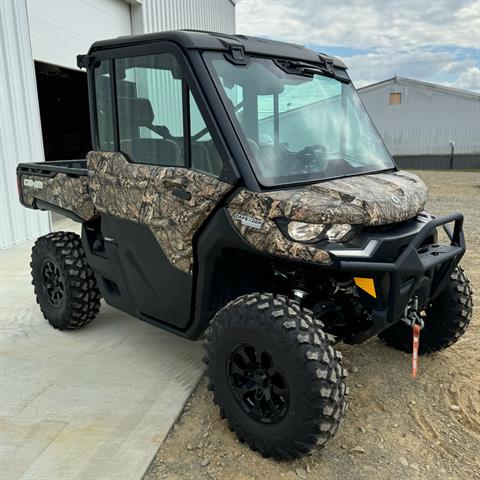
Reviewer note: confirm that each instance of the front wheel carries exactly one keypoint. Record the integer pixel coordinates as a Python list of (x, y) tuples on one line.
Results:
[(275, 375), (446, 319)]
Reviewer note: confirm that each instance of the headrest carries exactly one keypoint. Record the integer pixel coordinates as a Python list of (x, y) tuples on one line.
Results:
[(125, 88), (138, 111)]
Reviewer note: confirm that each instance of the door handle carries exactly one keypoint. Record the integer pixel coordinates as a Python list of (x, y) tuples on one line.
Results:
[(177, 189), (181, 193)]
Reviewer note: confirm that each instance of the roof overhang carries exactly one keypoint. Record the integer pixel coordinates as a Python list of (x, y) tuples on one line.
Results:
[(201, 40)]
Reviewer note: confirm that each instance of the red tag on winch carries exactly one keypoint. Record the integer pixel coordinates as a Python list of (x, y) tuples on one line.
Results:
[(416, 342)]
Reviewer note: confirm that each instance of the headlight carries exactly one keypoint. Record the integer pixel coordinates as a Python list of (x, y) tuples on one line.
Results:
[(338, 231), (305, 232), (311, 232)]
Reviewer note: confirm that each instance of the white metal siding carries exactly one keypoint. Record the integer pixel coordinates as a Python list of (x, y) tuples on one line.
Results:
[(425, 121), (161, 15), (212, 15), (55, 31), (61, 29), (20, 130)]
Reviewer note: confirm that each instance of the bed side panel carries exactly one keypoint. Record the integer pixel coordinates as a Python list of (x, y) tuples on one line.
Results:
[(61, 190)]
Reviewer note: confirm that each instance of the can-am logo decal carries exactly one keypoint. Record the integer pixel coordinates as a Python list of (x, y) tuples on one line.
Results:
[(248, 221), (33, 183)]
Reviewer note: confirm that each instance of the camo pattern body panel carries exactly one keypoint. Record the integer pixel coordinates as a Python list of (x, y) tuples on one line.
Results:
[(266, 237), (378, 199), (69, 193), (143, 193)]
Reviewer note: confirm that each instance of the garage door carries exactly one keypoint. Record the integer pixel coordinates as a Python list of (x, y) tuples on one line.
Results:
[(59, 30)]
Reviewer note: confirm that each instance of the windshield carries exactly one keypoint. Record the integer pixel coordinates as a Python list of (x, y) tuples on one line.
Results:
[(298, 127)]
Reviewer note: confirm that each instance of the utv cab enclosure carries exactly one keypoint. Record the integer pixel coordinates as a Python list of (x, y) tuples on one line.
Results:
[(238, 190)]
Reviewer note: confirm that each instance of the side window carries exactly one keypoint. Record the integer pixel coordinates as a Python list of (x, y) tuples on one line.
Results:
[(204, 154), (103, 98), (150, 109)]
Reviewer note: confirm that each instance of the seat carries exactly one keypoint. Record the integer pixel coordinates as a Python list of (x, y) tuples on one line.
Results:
[(152, 151), (206, 159), (133, 114)]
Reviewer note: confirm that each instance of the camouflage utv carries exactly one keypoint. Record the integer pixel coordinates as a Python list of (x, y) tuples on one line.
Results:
[(238, 190)]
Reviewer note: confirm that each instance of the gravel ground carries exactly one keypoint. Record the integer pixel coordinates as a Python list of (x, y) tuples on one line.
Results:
[(395, 427)]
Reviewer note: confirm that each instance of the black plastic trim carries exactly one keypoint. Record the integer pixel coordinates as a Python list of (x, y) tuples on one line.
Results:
[(74, 168), (203, 40), (422, 268), (146, 284), (42, 205)]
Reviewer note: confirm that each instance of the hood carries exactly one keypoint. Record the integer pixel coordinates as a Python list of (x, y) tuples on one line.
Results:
[(375, 199)]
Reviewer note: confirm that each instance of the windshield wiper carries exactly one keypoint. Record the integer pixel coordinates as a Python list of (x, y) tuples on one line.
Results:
[(297, 67)]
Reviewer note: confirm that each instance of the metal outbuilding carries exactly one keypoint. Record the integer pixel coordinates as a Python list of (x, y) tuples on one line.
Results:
[(43, 99), (425, 125)]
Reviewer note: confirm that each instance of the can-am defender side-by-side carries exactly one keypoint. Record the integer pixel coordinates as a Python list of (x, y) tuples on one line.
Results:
[(238, 189)]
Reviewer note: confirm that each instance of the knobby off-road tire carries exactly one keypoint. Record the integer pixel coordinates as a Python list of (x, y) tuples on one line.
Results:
[(275, 375), (64, 284), (446, 319)]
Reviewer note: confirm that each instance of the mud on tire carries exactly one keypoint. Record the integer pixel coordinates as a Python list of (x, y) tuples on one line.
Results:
[(64, 283), (446, 320), (262, 343)]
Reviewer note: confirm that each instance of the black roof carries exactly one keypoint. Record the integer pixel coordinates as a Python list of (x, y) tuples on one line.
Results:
[(201, 40)]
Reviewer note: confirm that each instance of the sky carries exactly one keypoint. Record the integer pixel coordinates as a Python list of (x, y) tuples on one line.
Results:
[(435, 41)]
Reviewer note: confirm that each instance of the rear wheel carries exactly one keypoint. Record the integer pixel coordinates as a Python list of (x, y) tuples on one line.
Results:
[(446, 319), (64, 283), (275, 375)]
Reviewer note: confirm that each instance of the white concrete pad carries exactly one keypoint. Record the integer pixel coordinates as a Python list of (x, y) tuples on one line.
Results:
[(90, 404)]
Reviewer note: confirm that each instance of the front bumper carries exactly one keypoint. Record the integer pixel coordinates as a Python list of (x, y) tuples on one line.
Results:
[(422, 268)]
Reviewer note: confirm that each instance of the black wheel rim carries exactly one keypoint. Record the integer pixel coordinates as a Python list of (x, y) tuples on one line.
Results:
[(257, 384), (52, 283)]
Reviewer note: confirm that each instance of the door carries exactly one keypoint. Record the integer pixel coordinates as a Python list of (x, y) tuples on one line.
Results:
[(154, 181)]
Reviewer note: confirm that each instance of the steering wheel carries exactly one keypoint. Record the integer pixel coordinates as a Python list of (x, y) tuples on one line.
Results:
[(311, 154)]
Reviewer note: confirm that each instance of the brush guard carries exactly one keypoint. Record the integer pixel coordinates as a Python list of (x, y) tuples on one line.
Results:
[(421, 270)]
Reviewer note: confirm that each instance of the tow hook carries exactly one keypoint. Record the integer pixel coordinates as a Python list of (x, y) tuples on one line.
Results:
[(411, 316), (413, 319)]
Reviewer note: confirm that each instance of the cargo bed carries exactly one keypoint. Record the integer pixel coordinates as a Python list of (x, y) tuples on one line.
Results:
[(70, 167), (60, 186)]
